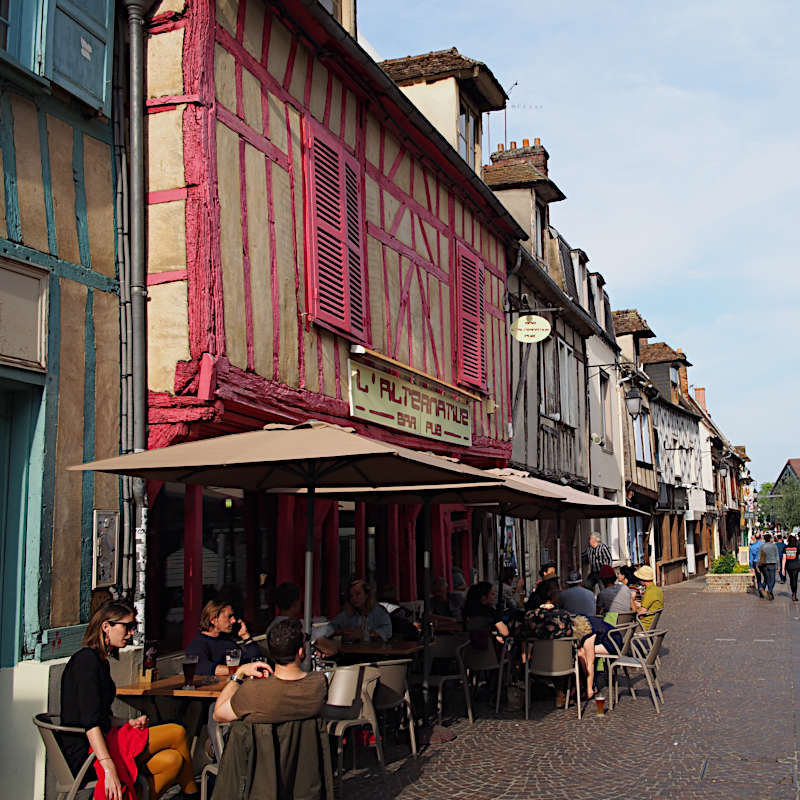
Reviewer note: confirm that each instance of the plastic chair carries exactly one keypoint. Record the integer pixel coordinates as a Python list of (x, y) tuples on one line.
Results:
[(475, 659), (448, 648), (349, 705), (552, 658), (647, 664), (68, 785), (392, 692), (213, 768)]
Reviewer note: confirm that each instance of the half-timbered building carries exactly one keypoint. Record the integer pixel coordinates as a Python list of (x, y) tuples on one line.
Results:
[(317, 249)]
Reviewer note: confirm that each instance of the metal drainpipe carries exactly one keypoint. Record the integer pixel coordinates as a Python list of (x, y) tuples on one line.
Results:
[(135, 10)]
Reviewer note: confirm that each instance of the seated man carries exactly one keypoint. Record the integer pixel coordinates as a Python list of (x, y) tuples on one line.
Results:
[(652, 599), (290, 606), (614, 597), (216, 638), (576, 598), (288, 694)]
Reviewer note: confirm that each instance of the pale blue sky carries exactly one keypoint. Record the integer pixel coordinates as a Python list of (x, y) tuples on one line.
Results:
[(673, 129)]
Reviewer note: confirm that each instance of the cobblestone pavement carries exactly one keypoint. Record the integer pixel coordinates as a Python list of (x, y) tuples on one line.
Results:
[(728, 728)]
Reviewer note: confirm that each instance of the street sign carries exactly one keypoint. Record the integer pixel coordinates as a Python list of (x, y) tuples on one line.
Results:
[(530, 329)]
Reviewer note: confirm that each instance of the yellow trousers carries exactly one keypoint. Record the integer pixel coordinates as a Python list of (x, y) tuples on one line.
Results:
[(166, 760)]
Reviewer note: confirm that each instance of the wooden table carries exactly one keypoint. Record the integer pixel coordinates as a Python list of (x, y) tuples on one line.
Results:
[(384, 651), (174, 686)]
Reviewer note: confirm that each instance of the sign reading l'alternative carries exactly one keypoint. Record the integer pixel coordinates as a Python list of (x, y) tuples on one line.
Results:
[(385, 399)]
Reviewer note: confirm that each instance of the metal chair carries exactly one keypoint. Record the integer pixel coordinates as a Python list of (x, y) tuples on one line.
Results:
[(646, 663), (552, 658), (640, 642), (392, 692), (448, 648), (624, 617), (621, 639), (213, 767), (349, 705), (416, 607), (68, 785)]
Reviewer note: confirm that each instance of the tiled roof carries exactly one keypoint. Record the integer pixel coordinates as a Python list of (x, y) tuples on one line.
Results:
[(503, 175), (794, 463), (628, 320), (439, 64), (660, 353)]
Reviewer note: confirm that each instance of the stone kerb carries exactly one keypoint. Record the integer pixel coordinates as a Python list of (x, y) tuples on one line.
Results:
[(739, 582)]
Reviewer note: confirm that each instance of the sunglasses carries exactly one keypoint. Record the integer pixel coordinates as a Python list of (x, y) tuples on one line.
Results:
[(130, 627)]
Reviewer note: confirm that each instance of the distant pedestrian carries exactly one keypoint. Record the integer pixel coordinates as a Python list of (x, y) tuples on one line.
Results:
[(768, 563), (781, 545), (791, 563), (597, 554), (755, 551)]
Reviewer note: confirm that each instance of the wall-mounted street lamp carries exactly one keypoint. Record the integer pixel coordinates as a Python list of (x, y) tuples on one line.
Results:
[(633, 402), (723, 471)]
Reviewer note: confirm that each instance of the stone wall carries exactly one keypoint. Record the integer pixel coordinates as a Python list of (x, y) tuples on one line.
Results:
[(741, 582)]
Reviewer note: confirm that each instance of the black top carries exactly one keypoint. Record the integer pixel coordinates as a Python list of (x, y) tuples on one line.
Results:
[(210, 651), (87, 693)]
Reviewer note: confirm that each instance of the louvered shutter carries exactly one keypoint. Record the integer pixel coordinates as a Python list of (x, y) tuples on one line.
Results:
[(471, 316), (336, 234)]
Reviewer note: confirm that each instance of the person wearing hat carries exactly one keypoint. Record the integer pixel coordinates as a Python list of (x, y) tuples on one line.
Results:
[(653, 597), (576, 598), (615, 597)]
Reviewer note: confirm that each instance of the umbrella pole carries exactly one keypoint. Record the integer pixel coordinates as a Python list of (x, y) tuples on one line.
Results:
[(501, 537), (309, 573), (558, 544), (426, 607)]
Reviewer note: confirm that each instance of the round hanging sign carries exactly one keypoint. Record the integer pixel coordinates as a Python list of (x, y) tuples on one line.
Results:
[(530, 328)]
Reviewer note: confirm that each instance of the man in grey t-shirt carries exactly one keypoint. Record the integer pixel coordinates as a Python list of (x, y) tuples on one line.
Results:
[(768, 560), (614, 597), (575, 598)]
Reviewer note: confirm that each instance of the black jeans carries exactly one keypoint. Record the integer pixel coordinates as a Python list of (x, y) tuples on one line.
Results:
[(793, 579)]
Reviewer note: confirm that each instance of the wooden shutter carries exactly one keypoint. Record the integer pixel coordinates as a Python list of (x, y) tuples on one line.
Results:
[(79, 42), (471, 318), (337, 268)]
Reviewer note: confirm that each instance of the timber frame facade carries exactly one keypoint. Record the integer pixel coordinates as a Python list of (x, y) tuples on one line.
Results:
[(304, 220)]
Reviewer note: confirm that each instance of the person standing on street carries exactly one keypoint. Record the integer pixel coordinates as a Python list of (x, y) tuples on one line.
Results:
[(768, 561), (597, 554), (755, 550), (781, 545), (790, 563)]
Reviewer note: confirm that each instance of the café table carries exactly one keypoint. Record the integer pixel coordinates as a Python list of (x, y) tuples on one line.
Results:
[(169, 700), (384, 651)]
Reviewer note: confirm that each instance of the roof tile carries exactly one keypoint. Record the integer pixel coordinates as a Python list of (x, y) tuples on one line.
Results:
[(629, 320)]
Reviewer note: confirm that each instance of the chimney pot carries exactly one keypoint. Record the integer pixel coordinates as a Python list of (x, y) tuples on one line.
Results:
[(537, 142), (500, 148), (526, 142), (513, 145)]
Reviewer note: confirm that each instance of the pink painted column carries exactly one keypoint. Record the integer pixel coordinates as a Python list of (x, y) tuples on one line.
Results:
[(361, 538), (284, 540), (192, 561), (393, 548)]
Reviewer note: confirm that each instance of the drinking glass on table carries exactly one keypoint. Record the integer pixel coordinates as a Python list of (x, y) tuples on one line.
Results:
[(189, 668), (232, 659)]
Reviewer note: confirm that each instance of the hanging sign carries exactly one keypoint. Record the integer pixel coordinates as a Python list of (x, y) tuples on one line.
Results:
[(387, 400), (530, 328)]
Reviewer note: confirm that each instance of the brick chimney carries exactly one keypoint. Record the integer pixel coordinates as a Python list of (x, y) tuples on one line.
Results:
[(700, 397), (535, 155), (684, 376)]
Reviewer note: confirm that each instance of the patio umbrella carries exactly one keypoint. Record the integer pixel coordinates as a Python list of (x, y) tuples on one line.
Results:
[(311, 455)]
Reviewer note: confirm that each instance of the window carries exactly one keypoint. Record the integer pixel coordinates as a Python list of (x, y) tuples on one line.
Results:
[(567, 381), (337, 264), (549, 399), (605, 411), (468, 134), (538, 232), (673, 375), (471, 307), (66, 41), (641, 435)]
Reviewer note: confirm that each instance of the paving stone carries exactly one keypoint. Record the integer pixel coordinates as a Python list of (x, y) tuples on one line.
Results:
[(729, 727)]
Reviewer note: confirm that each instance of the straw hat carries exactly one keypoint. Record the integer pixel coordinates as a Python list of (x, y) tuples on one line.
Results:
[(645, 573)]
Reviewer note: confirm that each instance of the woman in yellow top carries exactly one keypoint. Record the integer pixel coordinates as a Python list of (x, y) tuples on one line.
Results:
[(652, 599)]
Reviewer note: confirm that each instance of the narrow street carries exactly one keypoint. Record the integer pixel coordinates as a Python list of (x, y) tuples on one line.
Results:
[(728, 729)]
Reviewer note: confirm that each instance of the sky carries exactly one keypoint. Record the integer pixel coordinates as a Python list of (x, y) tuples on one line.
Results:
[(674, 130)]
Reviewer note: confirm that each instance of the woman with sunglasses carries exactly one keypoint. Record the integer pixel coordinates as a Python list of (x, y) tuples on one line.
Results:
[(87, 692)]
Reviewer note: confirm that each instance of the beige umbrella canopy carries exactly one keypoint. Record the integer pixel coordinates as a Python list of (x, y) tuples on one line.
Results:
[(311, 455)]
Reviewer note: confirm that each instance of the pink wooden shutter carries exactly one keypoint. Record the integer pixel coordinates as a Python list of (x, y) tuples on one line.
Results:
[(471, 315), (336, 234)]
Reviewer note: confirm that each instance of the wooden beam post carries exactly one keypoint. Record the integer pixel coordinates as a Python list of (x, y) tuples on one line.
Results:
[(192, 561)]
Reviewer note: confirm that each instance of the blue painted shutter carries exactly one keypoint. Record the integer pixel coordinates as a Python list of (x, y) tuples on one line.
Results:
[(336, 269), (471, 318), (79, 40)]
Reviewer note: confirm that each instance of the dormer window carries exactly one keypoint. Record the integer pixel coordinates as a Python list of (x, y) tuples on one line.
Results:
[(469, 133)]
